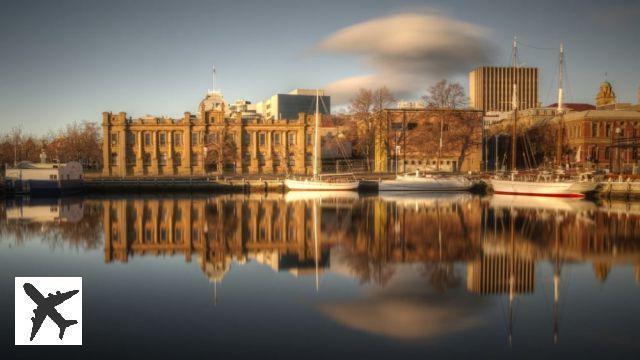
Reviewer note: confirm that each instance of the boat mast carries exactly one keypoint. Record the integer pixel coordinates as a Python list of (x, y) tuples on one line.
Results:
[(316, 137), (556, 282), (560, 110), (440, 145), (514, 105)]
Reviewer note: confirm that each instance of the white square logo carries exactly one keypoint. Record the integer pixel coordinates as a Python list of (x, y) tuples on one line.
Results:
[(48, 310)]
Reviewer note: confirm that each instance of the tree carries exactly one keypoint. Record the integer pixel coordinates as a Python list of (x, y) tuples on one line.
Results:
[(367, 110), (445, 95), (78, 141), (461, 129), (221, 149)]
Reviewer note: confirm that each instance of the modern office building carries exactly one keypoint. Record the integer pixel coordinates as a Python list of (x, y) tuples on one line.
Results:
[(288, 106), (491, 88)]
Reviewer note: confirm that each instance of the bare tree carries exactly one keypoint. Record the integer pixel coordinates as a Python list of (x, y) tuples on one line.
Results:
[(367, 109), (445, 95), (447, 126), (221, 149)]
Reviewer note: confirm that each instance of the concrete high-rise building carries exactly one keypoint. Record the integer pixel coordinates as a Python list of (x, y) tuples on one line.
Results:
[(491, 88)]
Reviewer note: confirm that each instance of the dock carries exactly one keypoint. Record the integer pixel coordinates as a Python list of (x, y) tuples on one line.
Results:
[(196, 184), (619, 189)]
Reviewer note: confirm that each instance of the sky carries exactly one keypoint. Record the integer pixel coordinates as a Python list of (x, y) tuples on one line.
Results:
[(65, 61)]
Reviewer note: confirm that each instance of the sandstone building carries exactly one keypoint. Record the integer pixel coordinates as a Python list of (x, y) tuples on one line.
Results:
[(218, 137)]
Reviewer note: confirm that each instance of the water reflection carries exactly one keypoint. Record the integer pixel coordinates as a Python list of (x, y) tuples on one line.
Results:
[(427, 265), (364, 237)]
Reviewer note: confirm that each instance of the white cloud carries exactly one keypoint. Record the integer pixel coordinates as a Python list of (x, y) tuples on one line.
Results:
[(407, 51)]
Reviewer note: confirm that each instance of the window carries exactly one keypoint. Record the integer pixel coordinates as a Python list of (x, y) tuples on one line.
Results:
[(162, 139), (114, 158), (163, 159), (177, 159), (212, 138), (146, 159), (607, 131), (177, 139), (261, 159), (308, 138), (292, 138), (594, 129), (607, 153), (308, 159), (292, 160), (131, 138), (276, 160), (194, 138), (276, 138), (194, 159), (131, 159), (147, 139), (53, 177), (114, 139), (247, 157), (262, 139), (246, 138)]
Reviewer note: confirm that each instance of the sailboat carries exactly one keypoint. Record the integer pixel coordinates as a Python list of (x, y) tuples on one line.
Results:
[(425, 181), (544, 183), (317, 182)]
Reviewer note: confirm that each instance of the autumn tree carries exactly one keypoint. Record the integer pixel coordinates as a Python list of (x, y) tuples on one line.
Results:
[(78, 141)]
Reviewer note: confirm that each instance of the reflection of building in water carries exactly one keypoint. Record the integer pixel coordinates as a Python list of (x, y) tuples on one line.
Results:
[(604, 235), (492, 274), (60, 221), (220, 230), (45, 210)]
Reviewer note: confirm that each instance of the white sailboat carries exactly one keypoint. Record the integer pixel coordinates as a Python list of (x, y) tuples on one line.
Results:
[(427, 182), (317, 182), (544, 184)]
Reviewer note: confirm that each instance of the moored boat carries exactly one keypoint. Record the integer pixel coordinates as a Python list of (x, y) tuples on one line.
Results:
[(318, 182), (417, 182), (560, 188)]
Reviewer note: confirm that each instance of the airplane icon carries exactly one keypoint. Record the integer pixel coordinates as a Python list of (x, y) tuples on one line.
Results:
[(47, 307)]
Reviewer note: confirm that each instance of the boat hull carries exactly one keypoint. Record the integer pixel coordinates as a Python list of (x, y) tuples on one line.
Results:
[(319, 185), (551, 189), (425, 184), (45, 187)]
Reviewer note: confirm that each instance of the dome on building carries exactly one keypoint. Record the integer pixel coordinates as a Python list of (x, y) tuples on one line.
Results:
[(605, 95), (212, 101)]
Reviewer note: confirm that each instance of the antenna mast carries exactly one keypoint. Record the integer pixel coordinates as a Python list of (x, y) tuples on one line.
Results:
[(514, 104), (213, 79), (316, 138), (514, 53), (561, 81)]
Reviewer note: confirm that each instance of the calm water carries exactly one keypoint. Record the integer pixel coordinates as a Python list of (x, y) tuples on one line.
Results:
[(408, 276)]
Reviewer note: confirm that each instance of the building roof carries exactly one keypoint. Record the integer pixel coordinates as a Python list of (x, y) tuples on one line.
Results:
[(32, 165), (575, 106), (604, 114)]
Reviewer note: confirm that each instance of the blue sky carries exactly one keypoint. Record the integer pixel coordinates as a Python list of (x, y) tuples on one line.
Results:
[(63, 61)]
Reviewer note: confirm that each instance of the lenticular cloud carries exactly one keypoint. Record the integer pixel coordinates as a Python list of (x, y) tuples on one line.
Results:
[(406, 51)]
